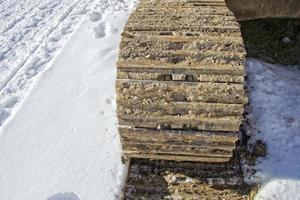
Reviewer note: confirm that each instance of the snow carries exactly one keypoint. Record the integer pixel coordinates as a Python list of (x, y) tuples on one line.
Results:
[(63, 142), (31, 34), (59, 136), (275, 98)]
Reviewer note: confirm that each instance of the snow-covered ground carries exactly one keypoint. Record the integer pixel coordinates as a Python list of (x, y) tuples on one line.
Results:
[(275, 99), (31, 34), (61, 141)]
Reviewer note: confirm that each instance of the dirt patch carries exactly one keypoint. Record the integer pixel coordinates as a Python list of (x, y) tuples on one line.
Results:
[(187, 180), (273, 40)]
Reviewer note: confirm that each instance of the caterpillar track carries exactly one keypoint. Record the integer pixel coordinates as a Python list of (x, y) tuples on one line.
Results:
[(180, 97), (180, 81)]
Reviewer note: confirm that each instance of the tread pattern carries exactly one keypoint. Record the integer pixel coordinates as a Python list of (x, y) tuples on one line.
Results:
[(180, 81)]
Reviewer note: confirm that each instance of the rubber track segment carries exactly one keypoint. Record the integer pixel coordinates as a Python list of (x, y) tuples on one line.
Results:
[(180, 81)]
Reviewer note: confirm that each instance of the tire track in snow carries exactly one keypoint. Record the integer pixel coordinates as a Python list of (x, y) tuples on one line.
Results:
[(23, 17), (18, 41), (21, 36), (48, 32), (19, 81), (14, 8)]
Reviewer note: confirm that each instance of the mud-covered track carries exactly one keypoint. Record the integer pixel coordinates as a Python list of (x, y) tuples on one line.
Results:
[(181, 76)]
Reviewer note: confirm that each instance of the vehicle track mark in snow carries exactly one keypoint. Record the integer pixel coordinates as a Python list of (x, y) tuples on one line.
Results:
[(29, 44), (27, 14), (47, 33)]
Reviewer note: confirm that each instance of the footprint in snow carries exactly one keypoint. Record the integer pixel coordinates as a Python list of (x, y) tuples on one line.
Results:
[(104, 29), (94, 16), (100, 30), (64, 196), (114, 30), (108, 101)]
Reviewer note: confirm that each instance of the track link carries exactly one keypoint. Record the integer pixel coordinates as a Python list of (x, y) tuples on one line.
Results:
[(180, 81)]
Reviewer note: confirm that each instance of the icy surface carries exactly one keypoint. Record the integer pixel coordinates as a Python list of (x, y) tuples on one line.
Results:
[(275, 99)]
